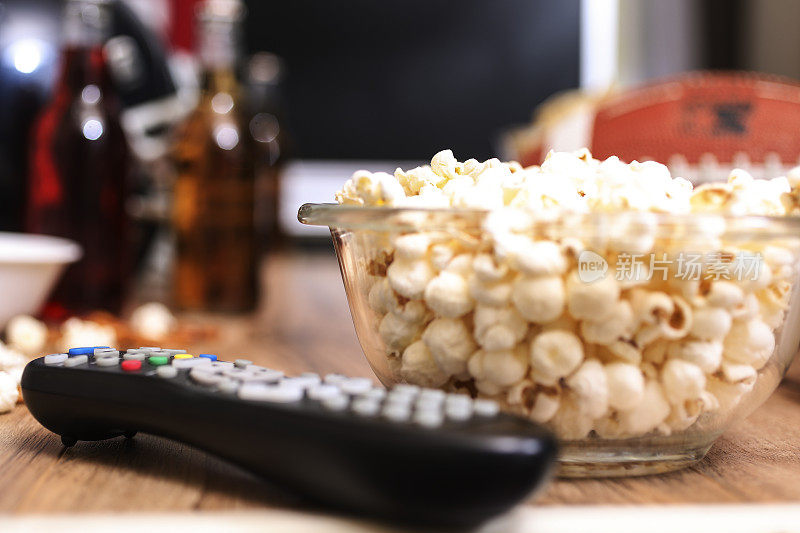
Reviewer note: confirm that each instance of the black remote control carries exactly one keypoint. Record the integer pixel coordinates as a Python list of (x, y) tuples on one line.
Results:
[(409, 454)]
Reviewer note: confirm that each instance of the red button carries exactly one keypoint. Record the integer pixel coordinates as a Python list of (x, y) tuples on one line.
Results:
[(131, 365)]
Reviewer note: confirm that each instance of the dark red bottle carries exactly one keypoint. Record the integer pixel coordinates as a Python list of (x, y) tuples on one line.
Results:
[(79, 165)]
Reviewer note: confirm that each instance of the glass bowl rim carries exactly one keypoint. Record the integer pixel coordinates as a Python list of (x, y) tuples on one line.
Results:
[(381, 218)]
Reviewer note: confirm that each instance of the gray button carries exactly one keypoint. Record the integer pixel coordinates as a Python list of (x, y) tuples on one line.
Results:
[(458, 411), (323, 392), (483, 407), (191, 363), (136, 356), (428, 419), (55, 358), (205, 377), (270, 393), (396, 413), (432, 394), (104, 351), (399, 398), (228, 386), (375, 394), (336, 403), (76, 360), (406, 388), (429, 403), (172, 351), (106, 361), (365, 407), (242, 363), (302, 382), (148, 348), (458, 399), (222, 365), (166, 371), (356, 385), (334, 379)]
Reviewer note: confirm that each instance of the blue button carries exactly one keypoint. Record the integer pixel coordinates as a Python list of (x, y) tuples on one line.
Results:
[(86, 350), (208, 356)]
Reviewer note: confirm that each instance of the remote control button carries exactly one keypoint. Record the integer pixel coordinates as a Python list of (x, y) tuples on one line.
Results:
[(458, 411), (242, 363), (166, 372), (323, 392), (432, 394), (406, 388), (458, 399), (336, 403), (85, 350), (172, 351), (158, 360), (204, 377), (106, 361), (365, 407), (183, 356), (356, 385), (483, 407), (138, 356), (55, 358), (334, 379), (148, 348), (222, 365), (429, 403), (428, 419), (158, 353), (375, 394), (208, 356), (76, 360), (131, 365), (270, 393), (106, 351), (229, 386), (311, 375), (259, 373), (303, 382), (402, 398), (396, 413), (189, 363)]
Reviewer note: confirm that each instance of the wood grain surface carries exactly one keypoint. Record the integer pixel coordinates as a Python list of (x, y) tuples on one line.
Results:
[(305, 326)]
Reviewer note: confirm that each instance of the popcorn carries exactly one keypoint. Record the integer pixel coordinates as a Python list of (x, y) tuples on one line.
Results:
[(710, 323), (409, 278), (625, 384), (590, 386), (418, 366), (27, 334), (152, 321), (448, 294), (555, 354), (498, 328), (450, 343), (539, 299), (498, 369), (504, 308), (77, 332), (749, 342), (591, 301), (9, 394)]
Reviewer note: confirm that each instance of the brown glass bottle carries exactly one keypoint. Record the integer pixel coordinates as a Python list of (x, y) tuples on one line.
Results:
[(78, 168), (214, 213)]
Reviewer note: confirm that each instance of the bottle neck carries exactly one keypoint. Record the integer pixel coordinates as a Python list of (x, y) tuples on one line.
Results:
[(86, 27)]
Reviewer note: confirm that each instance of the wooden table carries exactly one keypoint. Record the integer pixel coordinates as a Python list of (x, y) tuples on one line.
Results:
[(305, 326)]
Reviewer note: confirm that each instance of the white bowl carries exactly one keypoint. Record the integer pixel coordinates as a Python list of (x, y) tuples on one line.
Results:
[(30, 265)]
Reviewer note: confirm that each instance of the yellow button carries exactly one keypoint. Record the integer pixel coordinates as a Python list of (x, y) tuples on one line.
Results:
[(183, 356)]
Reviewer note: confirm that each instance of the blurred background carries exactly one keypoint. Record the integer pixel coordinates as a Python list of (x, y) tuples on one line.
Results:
[(174, 140)]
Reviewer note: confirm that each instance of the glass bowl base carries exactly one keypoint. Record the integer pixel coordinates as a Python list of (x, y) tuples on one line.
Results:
[(582, 462)]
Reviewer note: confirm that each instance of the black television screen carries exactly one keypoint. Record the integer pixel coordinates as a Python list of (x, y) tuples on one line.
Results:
[(404, 79)]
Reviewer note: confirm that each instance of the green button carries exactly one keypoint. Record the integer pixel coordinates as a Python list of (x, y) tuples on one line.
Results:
[(158, 360)]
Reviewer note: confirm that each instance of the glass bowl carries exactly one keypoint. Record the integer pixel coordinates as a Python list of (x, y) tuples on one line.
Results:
[(638, 338)]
